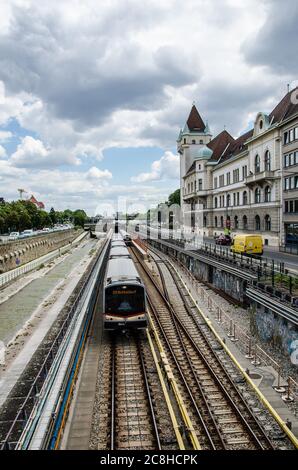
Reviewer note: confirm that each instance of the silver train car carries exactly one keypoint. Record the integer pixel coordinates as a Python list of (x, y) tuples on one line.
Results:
[(124, 294), (126, 237)]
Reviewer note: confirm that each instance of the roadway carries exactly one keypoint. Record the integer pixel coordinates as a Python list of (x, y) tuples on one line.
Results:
[(272, 253)]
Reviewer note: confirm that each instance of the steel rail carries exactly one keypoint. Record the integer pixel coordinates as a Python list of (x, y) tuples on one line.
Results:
[(222, 387), (214, 375)]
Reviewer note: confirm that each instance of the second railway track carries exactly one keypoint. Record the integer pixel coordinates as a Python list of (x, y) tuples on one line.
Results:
[(209, 382)]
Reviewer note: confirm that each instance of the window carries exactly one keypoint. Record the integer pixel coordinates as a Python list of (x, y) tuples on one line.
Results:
[(215, 182), (199, 167), (291, 206), (236, 224), (228, 200), (291, 135), (195, 185), (291, 182), (221, 221), (188, 188), (267, 161), (236, 176), (257, 195), (267, 223), (261, 124), (244, 200), (234, 199), (215, 221), (267, 194), (221, 180), (200, 184), (192, 187), (257, 164), (184, 141), (286, 138), (201, 142), (257, 222), (205, 221), (215, 202), (244, 172), (229, 178), (193, 141), (238, 199), (291, 159), (244, 221)]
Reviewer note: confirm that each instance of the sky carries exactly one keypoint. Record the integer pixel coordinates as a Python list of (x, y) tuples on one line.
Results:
[(93, 94)]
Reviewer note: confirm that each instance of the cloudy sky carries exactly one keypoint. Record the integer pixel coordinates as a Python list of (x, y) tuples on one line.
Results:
[(93, 93)]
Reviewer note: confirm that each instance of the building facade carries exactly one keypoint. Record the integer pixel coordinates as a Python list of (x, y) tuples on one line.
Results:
[(245, 185)]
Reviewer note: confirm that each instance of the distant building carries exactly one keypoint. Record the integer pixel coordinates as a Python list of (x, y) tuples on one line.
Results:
[(248, 184), (39, 205)]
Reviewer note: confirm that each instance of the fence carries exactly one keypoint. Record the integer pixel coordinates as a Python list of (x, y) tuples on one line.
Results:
[(247, 344)]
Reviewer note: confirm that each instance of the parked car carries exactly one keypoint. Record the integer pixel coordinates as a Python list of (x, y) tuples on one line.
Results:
[(13, 236), (223, 240)]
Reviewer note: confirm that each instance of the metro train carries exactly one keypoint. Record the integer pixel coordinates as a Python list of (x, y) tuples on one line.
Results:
[(124, 294), (126, 237)]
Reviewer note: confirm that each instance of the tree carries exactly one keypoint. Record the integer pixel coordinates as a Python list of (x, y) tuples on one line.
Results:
[(79, 217), (53, 216), (174, 198)]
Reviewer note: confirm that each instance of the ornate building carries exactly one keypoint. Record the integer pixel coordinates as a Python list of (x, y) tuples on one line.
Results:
[(240, 183)]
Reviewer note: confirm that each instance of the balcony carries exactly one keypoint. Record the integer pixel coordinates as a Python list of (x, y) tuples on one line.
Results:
[(260, 178)]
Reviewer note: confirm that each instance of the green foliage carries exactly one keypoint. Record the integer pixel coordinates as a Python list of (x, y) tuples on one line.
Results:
[(174, 198), (22, 215)]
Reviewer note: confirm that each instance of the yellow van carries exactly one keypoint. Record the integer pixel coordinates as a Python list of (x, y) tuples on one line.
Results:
[(248, 244)]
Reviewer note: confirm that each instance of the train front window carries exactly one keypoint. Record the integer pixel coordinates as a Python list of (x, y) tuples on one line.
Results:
[(125, 300)]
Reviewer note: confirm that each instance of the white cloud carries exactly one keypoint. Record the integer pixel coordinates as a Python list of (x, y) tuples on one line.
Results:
[(95, 174), (5, 136), (2, 152), (30, 152), (165, 168)]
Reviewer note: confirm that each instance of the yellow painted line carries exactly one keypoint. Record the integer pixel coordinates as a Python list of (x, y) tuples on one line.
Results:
[(189, 426), (166, 395), (264, 400)]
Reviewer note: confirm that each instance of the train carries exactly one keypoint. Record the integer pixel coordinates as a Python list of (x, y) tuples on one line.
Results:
[(124, 299), (126, 237)]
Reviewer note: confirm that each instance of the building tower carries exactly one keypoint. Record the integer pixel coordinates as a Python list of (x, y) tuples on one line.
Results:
[(195, 135)]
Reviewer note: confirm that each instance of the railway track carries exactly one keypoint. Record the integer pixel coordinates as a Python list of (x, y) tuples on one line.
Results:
[(132, 398), (209, 382), (133, 420)]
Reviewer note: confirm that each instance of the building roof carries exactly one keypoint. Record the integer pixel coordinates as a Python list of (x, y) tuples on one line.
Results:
[(194, 122), (285, 108), (220, 144)]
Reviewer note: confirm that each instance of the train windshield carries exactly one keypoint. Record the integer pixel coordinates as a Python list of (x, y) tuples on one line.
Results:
[(125, 300)]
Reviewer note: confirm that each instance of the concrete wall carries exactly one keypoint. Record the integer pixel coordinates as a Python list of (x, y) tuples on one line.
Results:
[(273, 329), (19, 252)]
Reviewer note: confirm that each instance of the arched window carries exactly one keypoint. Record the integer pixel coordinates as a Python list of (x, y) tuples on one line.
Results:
[(257, 164), (215, 221), (193, 141), (267, 223), (205, 221), (215, 202), (267, 194), (244, 200), (228, 200), (236, 223), (244, 222), (257, 222), (257, 195), (267, 161), (221, 221)]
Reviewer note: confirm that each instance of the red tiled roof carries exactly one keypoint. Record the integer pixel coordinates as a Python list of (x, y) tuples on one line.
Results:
[(194, 121), (220, 143)]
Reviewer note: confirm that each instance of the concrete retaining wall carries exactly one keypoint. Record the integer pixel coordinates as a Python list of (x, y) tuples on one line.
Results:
[(19, 252)]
